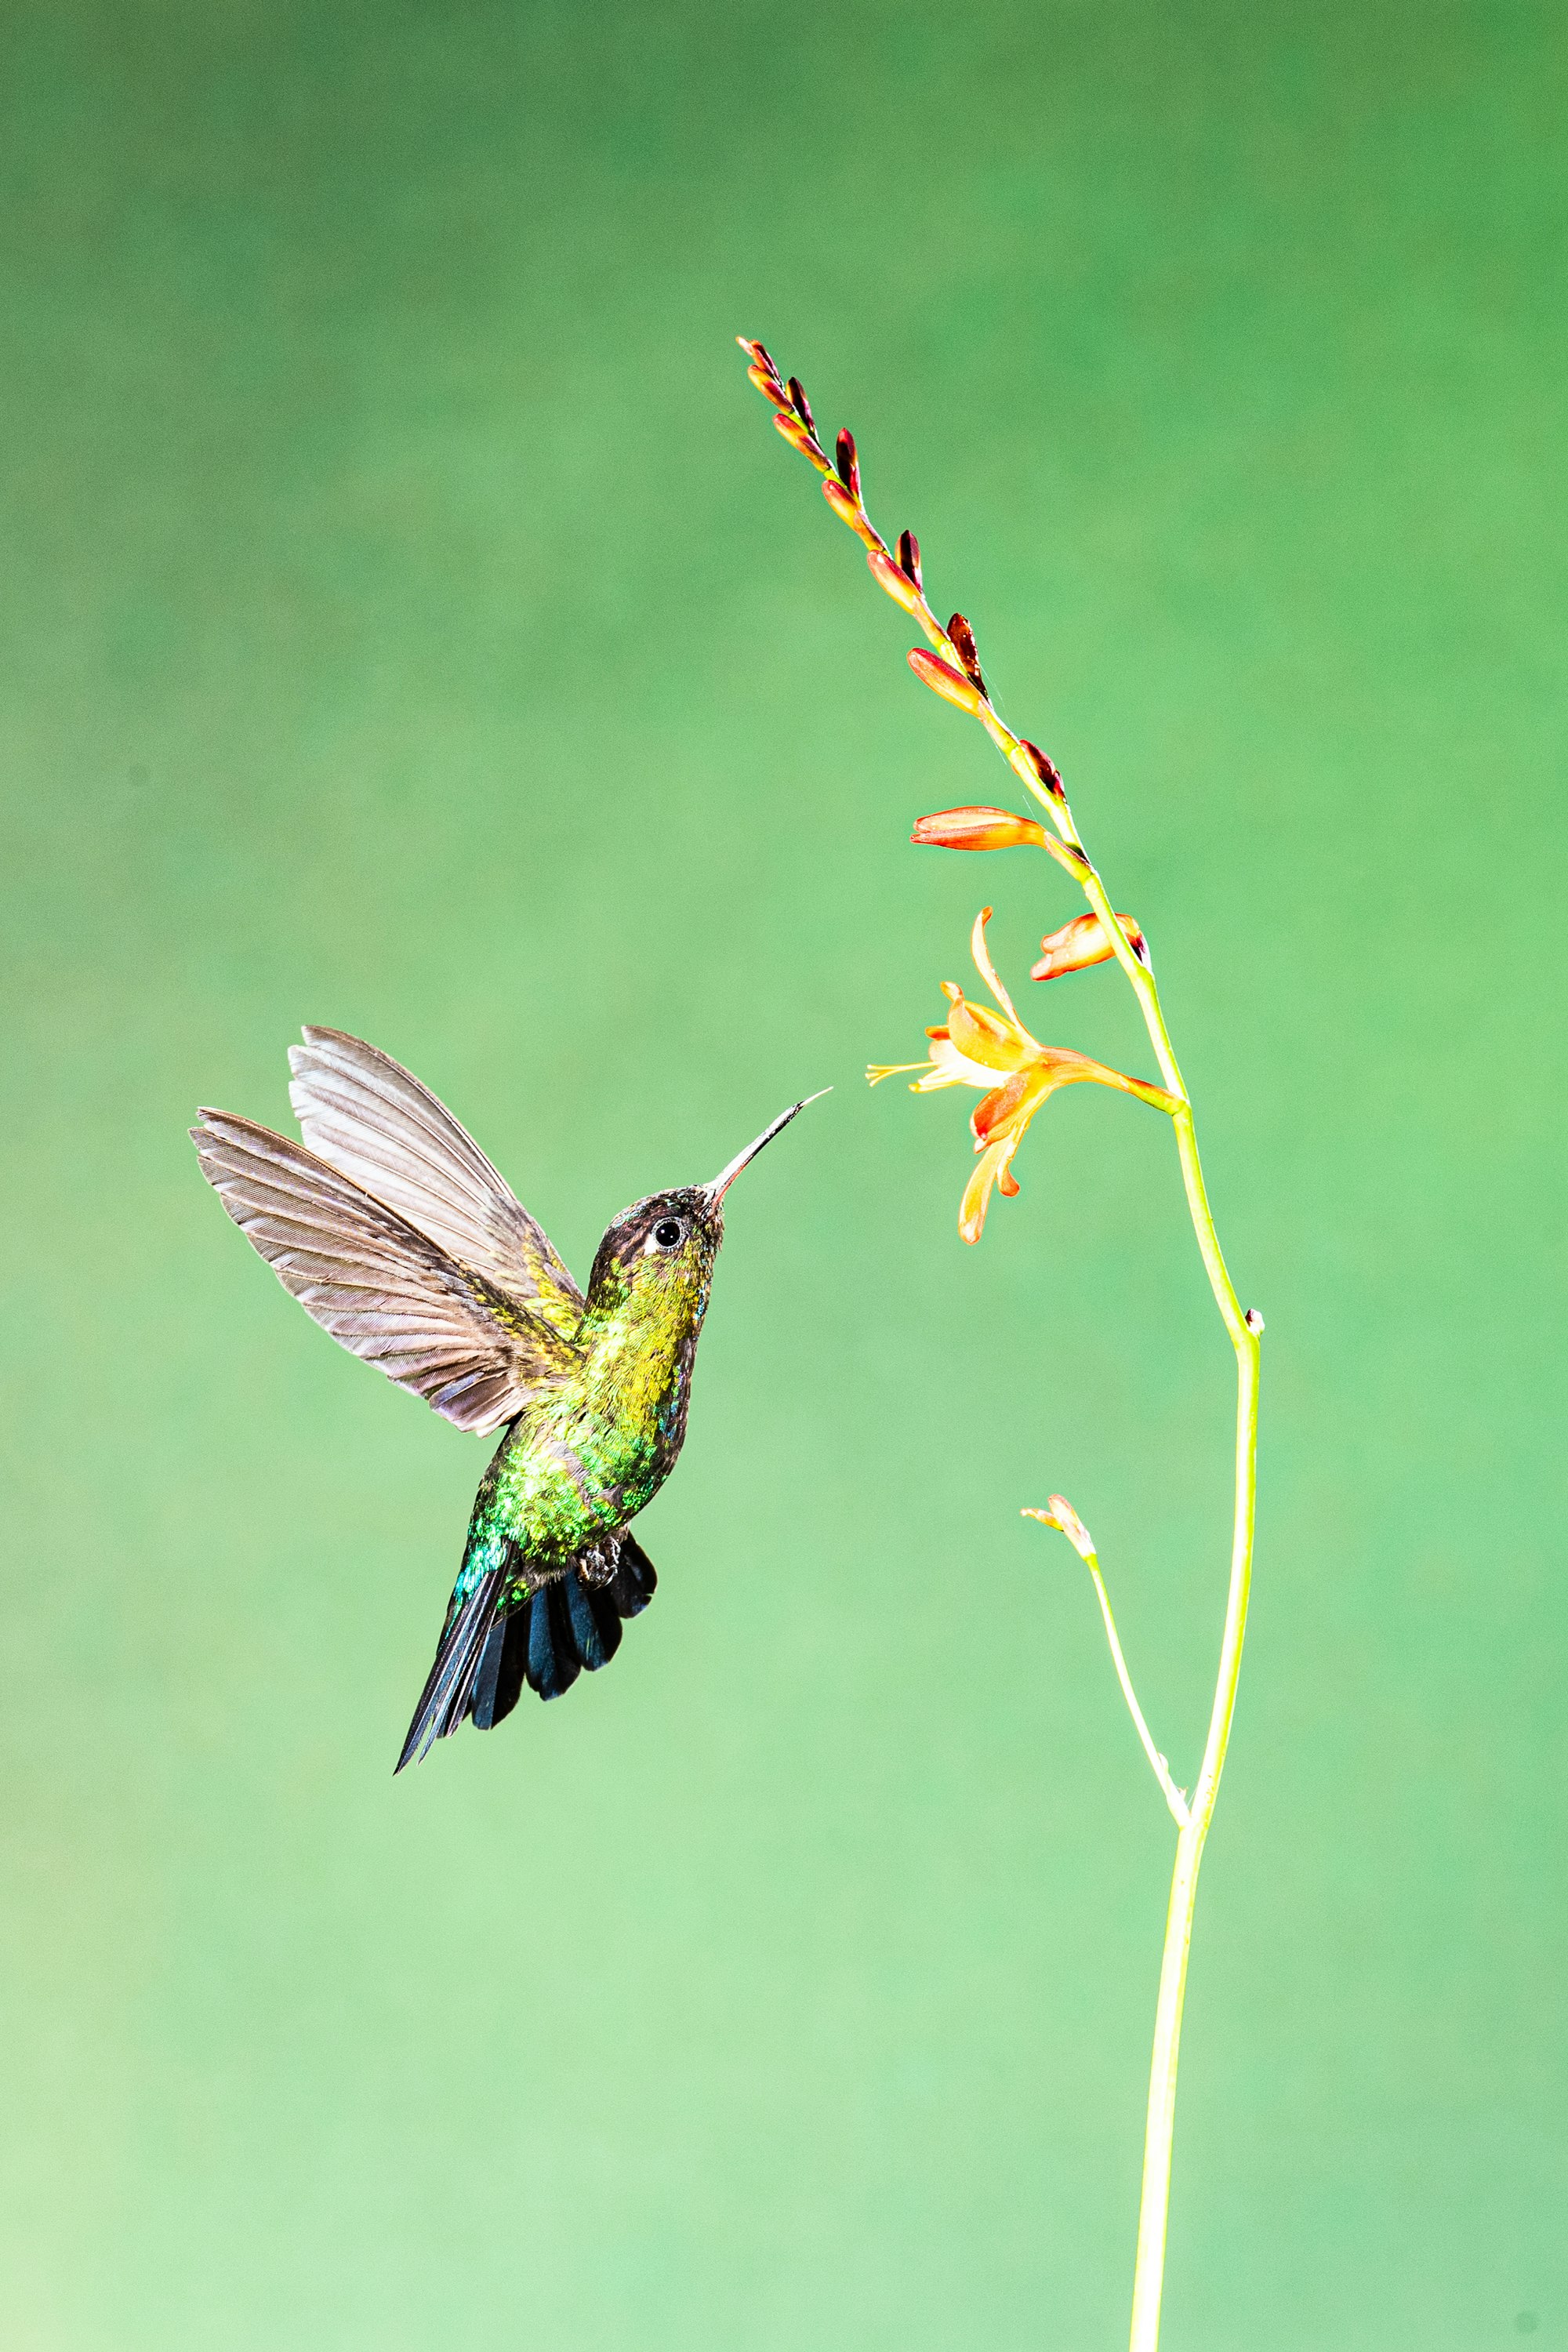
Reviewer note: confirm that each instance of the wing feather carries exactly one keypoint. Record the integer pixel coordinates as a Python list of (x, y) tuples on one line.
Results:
[(384, 1289), (368, 1117)]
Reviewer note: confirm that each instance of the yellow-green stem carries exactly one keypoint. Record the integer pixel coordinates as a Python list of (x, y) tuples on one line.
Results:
[(1147, 2280), (1148, 2270)]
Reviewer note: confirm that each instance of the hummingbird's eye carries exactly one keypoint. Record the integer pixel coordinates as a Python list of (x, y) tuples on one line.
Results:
[(668, 1233)]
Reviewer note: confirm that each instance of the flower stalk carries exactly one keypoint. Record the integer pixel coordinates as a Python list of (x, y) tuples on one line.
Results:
[(992, 1050)]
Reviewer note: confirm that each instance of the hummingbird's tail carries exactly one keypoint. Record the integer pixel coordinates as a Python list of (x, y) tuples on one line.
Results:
[(486, 1654)]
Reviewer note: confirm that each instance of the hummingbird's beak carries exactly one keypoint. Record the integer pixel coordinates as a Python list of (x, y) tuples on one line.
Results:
[(726, 1177)]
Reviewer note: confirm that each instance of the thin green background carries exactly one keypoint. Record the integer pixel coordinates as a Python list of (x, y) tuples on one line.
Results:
[(411, 621)]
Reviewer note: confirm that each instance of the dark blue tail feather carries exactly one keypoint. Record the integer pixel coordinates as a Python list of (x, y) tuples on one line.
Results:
[(545, 1641)]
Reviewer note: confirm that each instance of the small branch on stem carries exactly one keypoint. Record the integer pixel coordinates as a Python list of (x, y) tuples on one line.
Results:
[(1062, 1515)]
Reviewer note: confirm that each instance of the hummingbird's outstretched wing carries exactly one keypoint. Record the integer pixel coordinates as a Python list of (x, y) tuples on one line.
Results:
[(369, 1118), (383, 1288)]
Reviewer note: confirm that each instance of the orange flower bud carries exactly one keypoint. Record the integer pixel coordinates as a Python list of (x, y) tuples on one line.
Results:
[(844, 504), (847, 507), (978, 828), (1082, 943), (796, 434), (898, 583), (944, 679), (768, 385)]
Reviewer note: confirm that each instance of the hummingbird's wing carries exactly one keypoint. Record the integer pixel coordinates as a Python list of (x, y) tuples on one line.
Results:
[(371, 1120), (380, 1286)]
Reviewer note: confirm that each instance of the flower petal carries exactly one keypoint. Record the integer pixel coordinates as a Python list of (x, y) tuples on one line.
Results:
[(985, 1037), (992, 1164), (952, 1068), (1008, 1109), (987, 971)]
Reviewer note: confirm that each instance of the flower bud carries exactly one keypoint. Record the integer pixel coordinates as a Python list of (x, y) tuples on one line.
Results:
[(844, 504), (909, 555), (963, 641), (1038, 770), (899, 585), (768, 385), (1082, 943), (801, 405), (978, 828), (1061, 1515), (849, 464), (944, 679)]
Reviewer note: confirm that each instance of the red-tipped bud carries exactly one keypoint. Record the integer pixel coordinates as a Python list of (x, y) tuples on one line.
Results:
[(1035, 769), (909, 555), (963, 646), (977, 828), (1082, 943), (768, 385), (801, 406), (899, 585), (944, 679), (849, 464)]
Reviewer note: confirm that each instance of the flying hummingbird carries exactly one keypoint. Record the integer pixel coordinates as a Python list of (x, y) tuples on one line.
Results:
[(395, 1232)]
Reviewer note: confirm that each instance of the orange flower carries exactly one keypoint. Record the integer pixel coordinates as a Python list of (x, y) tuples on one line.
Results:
[(978, 1046)]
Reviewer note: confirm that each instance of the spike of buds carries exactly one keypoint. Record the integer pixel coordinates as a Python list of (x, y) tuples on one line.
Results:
[(1062, 1515), (899, 585), (848, 463), (963, 646), (1082, 943), (1038, 770), (909, 555), (977, 828), (944, 679)]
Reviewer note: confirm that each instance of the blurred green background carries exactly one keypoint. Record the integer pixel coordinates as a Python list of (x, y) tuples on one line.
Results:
[(412, 622)]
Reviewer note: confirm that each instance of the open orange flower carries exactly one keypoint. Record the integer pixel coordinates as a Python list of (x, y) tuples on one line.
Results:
[(992, 1051)]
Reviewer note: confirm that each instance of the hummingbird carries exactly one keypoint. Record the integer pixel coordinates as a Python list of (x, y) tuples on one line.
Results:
[(396, 1235)]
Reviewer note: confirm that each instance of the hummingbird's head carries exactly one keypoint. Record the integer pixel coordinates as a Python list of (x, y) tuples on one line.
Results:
[(659, 1253)]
